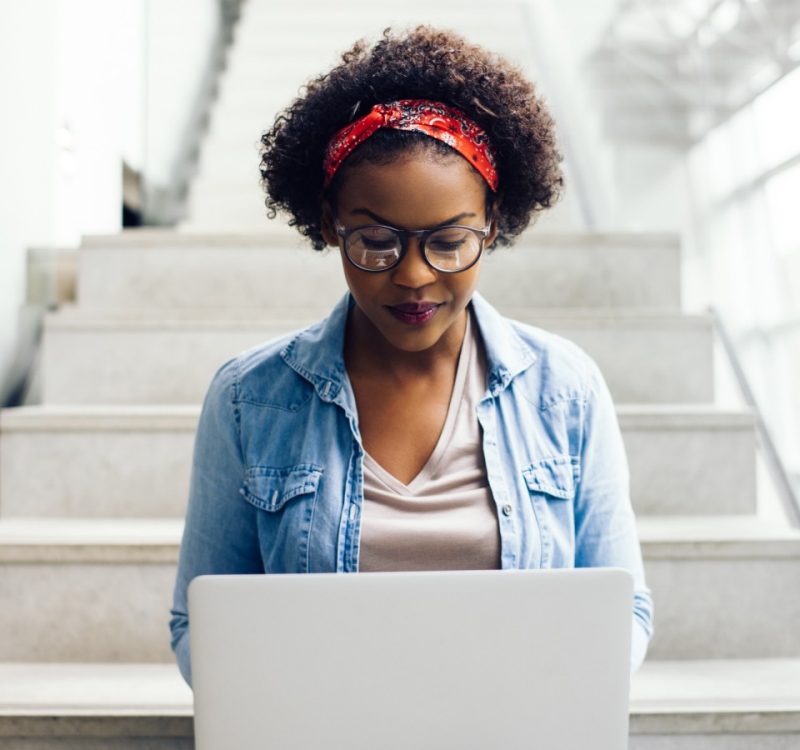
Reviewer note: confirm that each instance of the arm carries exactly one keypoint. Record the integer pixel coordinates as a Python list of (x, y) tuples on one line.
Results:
[(605, 526), (219, 535)]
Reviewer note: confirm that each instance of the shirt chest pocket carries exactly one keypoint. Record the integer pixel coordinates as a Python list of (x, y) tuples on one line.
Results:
[(271, 488), (551, 487), (288, 497)]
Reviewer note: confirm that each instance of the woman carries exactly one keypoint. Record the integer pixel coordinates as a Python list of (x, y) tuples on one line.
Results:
[(415, 427)]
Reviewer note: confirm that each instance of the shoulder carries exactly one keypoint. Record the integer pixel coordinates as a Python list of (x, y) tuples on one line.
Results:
[(554, 351), (562, 369), (260, 376), (547, 367)]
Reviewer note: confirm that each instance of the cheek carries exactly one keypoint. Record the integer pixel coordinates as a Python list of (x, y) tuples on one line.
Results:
[(464, 284), (361, 284)]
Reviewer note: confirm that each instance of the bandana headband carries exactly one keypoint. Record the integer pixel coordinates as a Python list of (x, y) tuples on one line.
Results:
[(438, 120)]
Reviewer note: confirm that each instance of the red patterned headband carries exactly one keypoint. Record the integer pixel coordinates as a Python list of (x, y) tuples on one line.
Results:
[(435, 119)]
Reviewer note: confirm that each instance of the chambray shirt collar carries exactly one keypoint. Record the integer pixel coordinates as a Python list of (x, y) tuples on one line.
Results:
[(507, 355), (317, 353)]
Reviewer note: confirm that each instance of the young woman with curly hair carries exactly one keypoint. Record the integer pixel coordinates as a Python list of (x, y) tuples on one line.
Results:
[(415, 427)]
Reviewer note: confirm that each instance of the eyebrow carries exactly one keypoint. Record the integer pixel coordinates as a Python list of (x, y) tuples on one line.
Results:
[(381, 220)]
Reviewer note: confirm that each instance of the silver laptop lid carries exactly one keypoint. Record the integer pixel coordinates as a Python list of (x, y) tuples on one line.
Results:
[(457, 659)]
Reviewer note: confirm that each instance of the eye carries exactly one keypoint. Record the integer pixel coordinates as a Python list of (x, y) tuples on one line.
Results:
[(375, 238), (450, 240), (440, 246), (377, 244)]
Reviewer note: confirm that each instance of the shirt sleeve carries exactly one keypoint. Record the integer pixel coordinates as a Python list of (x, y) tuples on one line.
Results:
[(605, 525), (219, 535)]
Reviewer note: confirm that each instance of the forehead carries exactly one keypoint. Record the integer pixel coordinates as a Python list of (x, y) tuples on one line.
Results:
[(413, 191)]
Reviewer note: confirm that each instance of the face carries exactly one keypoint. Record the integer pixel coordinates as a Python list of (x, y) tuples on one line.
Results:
[(412, 306)]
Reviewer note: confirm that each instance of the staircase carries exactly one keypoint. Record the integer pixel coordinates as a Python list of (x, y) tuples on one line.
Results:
[(94, 480)]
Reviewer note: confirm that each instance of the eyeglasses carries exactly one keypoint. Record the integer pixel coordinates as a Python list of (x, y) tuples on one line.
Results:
[(449, 249)]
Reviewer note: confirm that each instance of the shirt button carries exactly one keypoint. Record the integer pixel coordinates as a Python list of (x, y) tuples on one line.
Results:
[(507, 510)]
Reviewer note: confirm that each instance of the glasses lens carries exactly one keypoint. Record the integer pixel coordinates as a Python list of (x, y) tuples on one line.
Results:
[(452, 248), (373, 248)]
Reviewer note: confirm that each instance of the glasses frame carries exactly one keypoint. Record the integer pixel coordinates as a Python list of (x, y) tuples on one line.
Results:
[(403, 235)]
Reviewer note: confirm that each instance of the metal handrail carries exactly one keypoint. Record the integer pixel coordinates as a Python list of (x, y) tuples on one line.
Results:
[(791, 502)]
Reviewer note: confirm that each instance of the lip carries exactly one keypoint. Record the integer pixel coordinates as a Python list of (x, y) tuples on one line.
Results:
[(414, 313)]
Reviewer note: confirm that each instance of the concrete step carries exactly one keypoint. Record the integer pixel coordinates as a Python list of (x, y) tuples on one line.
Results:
[(230, 215), (249, 73), (723, 587), (233, 158), (84, 706), (264, 104), (683, 705), (329, 27), (251, 88), (278, 269), (322, 16), (170, 358), (135, 462), (206, 212), (235, 185), (249, 216), (96, 462), (312, 7), (252, 74), (233, 139), (248, 61), (267, 40), (226, 132), (739, 704), (233, 191), (225, 135), (87, 590), (301, 58)]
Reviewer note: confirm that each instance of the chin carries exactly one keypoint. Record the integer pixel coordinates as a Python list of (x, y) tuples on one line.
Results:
[(413, 341)]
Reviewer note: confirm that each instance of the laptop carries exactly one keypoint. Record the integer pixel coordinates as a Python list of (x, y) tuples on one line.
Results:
[(414, 660)]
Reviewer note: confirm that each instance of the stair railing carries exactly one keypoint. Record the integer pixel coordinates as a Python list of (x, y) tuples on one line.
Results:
[(786, 490), (165, 205)]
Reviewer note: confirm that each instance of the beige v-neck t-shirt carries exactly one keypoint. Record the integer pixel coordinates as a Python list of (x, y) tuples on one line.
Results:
[(445, 518)]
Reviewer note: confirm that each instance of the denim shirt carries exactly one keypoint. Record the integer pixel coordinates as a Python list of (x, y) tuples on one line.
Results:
[(277, 474)]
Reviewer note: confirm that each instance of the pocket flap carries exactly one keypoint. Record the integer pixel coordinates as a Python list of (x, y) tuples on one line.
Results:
[(555, 476), (270, 489)]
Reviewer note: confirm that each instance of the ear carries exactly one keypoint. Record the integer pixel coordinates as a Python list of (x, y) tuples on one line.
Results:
[(327, 228), (494, 217)]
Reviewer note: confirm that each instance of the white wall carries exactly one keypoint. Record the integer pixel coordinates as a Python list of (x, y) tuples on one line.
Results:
[(745, 182), (562, 33), (85, 84), (179, 36), (97, 97), (622, 186), (28, 149)]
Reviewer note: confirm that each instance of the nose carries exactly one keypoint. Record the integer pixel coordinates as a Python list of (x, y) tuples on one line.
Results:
[(413, 270)]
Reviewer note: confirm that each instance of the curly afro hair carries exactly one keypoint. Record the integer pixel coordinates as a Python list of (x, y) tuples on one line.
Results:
[(424, 63)]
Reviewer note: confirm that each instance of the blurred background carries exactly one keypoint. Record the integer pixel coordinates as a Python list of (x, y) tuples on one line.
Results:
[(679, 117)]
